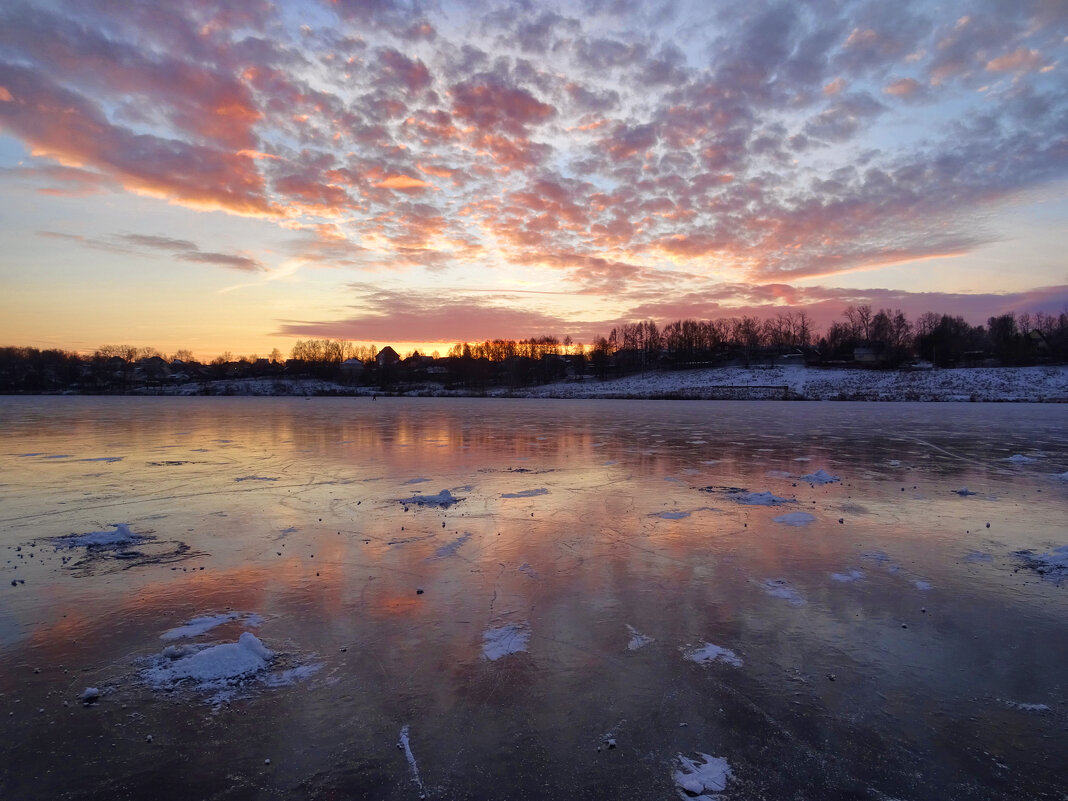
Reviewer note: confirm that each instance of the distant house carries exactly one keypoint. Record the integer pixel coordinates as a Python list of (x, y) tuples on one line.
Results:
[(387, 356)]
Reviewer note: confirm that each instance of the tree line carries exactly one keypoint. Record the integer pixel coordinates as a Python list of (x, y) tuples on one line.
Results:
[(882, 337)]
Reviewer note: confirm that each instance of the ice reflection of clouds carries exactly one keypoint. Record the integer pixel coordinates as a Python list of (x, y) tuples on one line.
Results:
[(609, 544)]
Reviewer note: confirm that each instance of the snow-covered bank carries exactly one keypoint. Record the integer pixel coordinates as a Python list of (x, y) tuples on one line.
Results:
[(1020, 384), (795, 382)]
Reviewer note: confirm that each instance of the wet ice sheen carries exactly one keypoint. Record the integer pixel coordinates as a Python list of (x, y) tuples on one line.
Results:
[(772, 648)]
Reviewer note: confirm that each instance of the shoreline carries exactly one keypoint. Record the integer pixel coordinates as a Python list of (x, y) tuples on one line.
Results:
[(1045, 384)]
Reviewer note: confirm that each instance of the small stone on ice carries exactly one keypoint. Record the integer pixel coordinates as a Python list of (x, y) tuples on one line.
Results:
[(148, 738), (267, 762), (90, 694), (419, 591)]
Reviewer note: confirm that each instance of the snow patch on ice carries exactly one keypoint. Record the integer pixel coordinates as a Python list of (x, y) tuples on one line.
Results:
[(780, 588), (205, 623), (920, 584), (407, 746), (527, 570), (1063, 476), (821, 476), (289, 677), (760, 499), (1027, 707), (530, 493), (450, 548), (1052, 565), (707, 653), (444, 499), (673, 515), (852, 575), (637, 639), (795, 519), (214, 666), (701, 780), (504, 640), (1019, 458), (978, 556)]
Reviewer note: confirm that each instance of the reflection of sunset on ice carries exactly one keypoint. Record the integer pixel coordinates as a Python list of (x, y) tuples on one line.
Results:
[(689, 577)]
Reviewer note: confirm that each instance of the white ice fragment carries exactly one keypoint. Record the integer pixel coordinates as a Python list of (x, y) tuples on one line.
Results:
[(99, 539), (530, 493), (707, 653), (637, 639), (697, 778), (760, 499), (795, 519), (852, 575), (89, 695), (504, 640), (223, 662), (444, 499), (821, 476)]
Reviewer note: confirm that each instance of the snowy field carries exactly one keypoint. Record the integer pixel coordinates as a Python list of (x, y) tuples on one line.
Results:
[(1000, 384), (485, 598)]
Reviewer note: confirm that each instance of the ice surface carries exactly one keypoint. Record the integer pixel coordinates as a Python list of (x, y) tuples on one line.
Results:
[(795, 519), (697, 779), (99, 539), (637, 639), (205, 623), (707, 653), (443, 499), (504, 640), (760, 499), (821, 476), (530, 493), (225, 662)]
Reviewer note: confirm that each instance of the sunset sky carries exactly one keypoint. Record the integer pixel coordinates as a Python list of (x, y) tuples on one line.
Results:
[(234, 176)]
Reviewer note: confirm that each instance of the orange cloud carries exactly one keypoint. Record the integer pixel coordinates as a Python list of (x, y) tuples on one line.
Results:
[(405, 182), (1021, 60)]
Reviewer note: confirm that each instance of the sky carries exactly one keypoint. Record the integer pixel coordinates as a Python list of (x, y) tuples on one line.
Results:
[(216, 176)]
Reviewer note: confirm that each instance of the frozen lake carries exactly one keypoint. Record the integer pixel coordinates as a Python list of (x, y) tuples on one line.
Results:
[(237, 598)]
